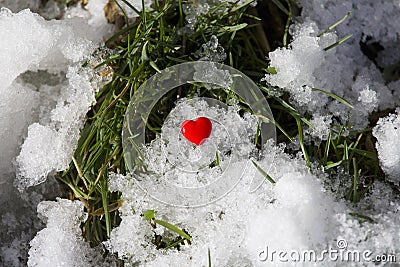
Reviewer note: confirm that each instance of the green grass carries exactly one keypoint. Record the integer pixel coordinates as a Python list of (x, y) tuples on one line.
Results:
[(154, 42), (151, 43)]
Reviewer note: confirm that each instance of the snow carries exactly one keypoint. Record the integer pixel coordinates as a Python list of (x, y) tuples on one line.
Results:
[(299, 212), (387, 133), (18, 5), (93, 13), (211, 72), (365, 18), (211, 51), (295, 67), (37, 158), (343, 70), (187, 173), (305, 65), (24, 48), (321, 126), (44, 86), (61, 242), (380, 236)]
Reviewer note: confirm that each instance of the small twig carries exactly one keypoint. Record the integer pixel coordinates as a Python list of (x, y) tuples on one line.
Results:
[(117, 98)]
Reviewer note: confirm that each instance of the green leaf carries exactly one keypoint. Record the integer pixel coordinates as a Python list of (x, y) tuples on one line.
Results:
[(174, 244), (276, 124), (144, 56), (173, 228), (331, 164), (355, 180), (154, 66), (271, 70), (326, 150), (148, 215)]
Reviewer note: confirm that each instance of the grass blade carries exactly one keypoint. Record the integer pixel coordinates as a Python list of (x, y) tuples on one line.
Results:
[(104, 197), (355, 181), (281, 6), (174, 244), (301, 139), (266, 175), (334, 25), (338, 42), (327, 147), (289, 19), (209, 258), (242, 6), (336, 97), (235, 28)]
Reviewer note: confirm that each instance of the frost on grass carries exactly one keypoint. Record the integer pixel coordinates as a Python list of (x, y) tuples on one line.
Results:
[(379, 229), (343, 70), (370, 21), (387, 133), (61, 242), (297, 212), (214, 52), (194, 9), (352, 69)]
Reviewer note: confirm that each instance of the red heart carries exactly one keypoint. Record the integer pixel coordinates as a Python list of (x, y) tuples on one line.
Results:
[(197, 131)]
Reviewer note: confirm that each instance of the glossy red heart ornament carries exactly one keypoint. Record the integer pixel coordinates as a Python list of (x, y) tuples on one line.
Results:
[(197, 131)]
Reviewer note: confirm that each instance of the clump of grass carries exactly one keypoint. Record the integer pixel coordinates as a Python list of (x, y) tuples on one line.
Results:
[(151, 43), (154, 42)]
